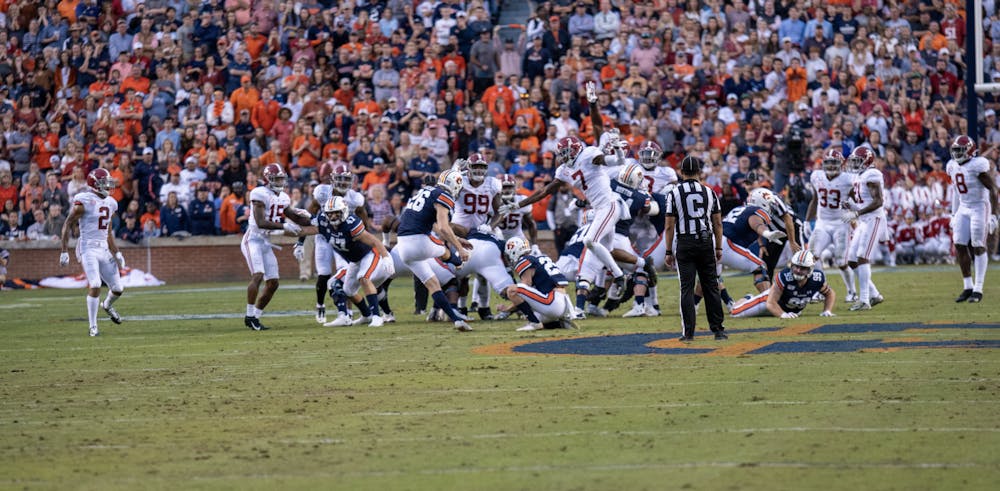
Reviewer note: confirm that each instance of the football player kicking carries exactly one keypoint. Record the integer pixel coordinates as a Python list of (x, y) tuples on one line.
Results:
[(96, 250), (540, 293), (429, 209), (831, 187), (865, 205), (270, 206), (972, 179), (791, 291), (367, 259), (335, 180)]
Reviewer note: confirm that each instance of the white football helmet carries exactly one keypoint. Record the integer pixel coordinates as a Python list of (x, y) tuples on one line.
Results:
[(508, 188), (515, 248), (631, 176), (802, 264), (478, 167), (335, 210), (762, 198), (451, 181)]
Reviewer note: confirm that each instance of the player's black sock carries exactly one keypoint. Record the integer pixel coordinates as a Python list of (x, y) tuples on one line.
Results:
[(321, 285), (441, 302), (725, 296), (581, 300), (373, 303), (525, 309), (363, 307)]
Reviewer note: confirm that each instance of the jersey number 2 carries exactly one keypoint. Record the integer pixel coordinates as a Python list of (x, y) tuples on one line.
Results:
[(103, 217)]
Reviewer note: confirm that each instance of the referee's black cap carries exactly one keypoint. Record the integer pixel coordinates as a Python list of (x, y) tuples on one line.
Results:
[(691, 165), (752, 177)]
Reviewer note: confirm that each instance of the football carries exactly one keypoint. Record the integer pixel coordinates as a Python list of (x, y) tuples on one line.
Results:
[(298, 216)]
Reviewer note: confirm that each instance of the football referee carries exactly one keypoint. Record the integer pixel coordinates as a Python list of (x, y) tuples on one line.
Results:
[(694, 216)]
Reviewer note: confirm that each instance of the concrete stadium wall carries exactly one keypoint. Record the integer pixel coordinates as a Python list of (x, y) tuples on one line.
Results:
[(192, 260)]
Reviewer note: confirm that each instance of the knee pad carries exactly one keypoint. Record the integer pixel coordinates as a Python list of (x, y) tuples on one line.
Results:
[(583, 285), (641, 280), (759, 276), (450, 286)]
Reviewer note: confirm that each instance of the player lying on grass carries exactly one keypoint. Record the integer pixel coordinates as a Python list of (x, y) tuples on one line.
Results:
[(791, 291)]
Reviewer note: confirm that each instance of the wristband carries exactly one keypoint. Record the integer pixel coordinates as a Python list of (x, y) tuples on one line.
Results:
[(669, 253)]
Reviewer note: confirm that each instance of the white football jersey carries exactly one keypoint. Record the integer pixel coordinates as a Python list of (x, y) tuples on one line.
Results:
[(324, 192), (830, 194), (97, 215), (274, 208), (660, 178), (475, 203), (965, 179), (511, 225), (590, 178), (863, 195)]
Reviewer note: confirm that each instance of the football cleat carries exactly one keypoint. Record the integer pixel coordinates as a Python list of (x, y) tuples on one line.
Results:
[(462, 326), (113, 314), (877, 300), (485, 313), (365, 319), (501, 316), (377, 321), (260, 327), (321, 314), (721, 336), (389, 318), (851, 297), (569, 324), (976, 297), (651, 311), (531, 326), (94, 331), (248, 321), (596, 311), (964, 297), (341, 320), (636, 311), (579, 315), (859, 305), (686, 339)]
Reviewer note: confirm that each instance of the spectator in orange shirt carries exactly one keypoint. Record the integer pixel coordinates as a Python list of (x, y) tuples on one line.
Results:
[(265, 112), (306, 149), (227, 212), (150, 220), (44, 145), (795, 79), (336, 149), (131, 112), (365, 103), (379, 175), (135, 81), (245, 97)]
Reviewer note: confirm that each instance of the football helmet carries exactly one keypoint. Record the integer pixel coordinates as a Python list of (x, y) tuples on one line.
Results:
[(451, 181), (631, 176), (567, 150), (833, 162), (508, 188), (274, 177), (802, 264), (478, 166), (335, 210), (326, 173), (515, 248), (100, 181), (343, 178), (861, 159), (762, 198), (963, 148), (649, 154)]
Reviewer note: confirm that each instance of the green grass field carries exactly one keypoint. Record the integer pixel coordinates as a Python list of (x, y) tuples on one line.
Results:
[(207, 404)]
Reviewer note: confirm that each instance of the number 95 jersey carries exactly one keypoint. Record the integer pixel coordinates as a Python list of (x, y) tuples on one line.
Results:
[(475, 203)]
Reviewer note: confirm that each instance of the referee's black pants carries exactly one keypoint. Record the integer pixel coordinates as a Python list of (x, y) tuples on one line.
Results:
[(774, 250), (697, 256)]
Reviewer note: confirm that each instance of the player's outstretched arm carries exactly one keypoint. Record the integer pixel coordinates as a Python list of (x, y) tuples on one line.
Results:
[(830, 298), (71, 221), (537, 196), (772, 298)]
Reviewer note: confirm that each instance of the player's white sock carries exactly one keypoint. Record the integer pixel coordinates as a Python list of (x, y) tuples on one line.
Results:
[(251, 310), (92, 304), (604, 255), (967, 282), (864, 282), (847, 274), (257, 312), (111, 299), (872, 291), (979, 264)]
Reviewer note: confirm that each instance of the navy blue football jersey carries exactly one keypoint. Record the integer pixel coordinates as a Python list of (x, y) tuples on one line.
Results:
[(343, 238), (547, 276), (736, 225), (634, 200), (794, 297), (659, 224), (420, 215), (574, 247)]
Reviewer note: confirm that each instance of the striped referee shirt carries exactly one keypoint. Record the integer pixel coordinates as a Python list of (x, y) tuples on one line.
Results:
[(692, 204)]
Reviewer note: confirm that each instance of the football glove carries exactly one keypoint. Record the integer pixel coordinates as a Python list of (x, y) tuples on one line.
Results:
[(591, 91), (849, 216), (64, 259), (389, 266), (507, 209), (535, 251), (826, 313), (993, 224), (580, 203), (292, 228), (773, 236), (807, 228), (299, 251), (789, 315), (120, 259)]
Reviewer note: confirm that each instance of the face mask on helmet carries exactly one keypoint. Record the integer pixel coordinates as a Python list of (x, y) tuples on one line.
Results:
[(832, 167), (507, 193), (477, 171), (648, 157), (802, 264), (343, 182)]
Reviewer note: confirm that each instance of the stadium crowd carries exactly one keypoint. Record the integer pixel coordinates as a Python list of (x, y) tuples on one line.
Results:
[(185, 101)]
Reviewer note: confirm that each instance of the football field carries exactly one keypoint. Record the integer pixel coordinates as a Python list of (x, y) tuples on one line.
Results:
[(182, 396)]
